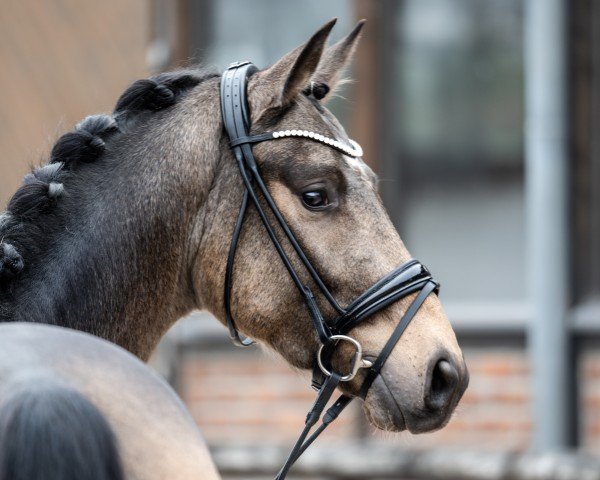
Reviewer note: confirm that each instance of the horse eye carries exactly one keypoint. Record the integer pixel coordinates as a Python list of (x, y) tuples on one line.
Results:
[(315, 200)]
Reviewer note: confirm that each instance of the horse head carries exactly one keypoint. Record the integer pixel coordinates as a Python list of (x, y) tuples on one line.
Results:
[(327, 196)]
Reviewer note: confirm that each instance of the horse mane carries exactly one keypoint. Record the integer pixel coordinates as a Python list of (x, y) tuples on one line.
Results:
[(31, 217)]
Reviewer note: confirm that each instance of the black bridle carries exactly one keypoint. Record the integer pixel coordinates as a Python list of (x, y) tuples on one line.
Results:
[(409, 278)]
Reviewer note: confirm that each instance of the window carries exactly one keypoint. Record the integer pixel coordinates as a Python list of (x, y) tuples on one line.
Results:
[(456, 186)]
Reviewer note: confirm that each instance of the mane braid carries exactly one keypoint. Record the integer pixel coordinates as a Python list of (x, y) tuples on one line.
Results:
[(87, 143), (30, 220), (155, 93)]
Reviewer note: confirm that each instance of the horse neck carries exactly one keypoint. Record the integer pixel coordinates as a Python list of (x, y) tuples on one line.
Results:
[(120, 267)]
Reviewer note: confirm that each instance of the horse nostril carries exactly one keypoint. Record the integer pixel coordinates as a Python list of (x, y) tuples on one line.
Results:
[(442, 385)]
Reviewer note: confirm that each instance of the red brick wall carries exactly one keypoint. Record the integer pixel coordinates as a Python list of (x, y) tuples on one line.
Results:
[(247, 396), (589, 404)]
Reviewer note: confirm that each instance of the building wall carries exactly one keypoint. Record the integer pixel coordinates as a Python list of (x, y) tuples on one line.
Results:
[(249, 397), (61, 60), (254, 397), (589, 403)]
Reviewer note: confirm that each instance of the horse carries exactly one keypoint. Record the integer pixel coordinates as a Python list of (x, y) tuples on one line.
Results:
[(125, 231), (74, 406)]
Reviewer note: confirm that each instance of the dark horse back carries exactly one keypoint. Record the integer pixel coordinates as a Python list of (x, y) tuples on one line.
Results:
[(51, 432)]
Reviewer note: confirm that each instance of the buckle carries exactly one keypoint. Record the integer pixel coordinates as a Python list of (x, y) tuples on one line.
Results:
[(358, 361)]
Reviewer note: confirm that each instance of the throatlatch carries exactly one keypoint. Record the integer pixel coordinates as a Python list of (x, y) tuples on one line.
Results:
[(409, 278)]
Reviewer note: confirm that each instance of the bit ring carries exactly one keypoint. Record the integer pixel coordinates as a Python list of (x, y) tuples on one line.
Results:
[(358, 361)]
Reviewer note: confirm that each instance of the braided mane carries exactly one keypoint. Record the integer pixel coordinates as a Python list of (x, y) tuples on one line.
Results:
[(31, 217)]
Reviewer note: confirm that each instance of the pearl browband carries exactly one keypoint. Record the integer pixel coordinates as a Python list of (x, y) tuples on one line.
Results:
[(353, 150)]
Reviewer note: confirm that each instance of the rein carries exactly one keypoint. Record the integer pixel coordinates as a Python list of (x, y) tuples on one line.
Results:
[(409, 278)]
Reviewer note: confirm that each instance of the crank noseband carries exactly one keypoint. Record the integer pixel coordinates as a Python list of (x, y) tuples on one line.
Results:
[(410, 278)]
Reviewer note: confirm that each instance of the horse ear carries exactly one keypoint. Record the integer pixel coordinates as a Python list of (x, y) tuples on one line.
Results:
[(335, 59), (279, 85)]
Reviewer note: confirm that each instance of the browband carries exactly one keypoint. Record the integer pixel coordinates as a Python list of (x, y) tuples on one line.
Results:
[(353, 150)]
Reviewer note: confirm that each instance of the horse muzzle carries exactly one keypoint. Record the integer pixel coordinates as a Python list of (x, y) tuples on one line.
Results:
[(393, 403)]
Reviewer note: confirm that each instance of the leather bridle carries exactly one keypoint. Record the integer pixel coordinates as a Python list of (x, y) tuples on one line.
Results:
[(409, 278)]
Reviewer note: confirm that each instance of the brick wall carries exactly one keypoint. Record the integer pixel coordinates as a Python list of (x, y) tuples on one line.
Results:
[(247, 396), (589, 403)]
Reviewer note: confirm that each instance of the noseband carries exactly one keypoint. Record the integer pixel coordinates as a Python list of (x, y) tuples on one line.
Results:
[(409, 278)]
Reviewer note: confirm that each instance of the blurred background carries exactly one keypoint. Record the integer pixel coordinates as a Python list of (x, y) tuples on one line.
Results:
[(478, 116)]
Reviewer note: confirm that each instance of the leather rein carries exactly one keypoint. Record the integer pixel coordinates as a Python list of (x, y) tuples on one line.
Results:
[(409, 278)]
